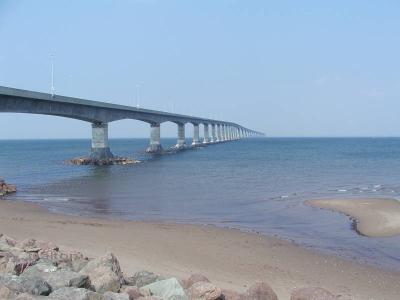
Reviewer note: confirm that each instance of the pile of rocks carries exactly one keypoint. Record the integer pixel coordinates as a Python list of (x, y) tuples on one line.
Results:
[(80, 161), (6, 188), (32, 269)]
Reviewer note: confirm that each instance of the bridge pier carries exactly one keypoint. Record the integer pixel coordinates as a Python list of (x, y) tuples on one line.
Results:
[(100, 147), (206, 139), (223, 133), (213, 137), (181, 136), (196, 136), (219, 134), (155, 136)]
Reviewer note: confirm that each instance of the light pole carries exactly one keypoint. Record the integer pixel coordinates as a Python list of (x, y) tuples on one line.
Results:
[(52, 76)]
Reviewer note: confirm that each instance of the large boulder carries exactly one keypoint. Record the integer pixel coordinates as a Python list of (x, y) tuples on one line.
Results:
[(105, 274), (312, 293), (260, 291), (168, 289), (142, 278), (69, 293), (115, 296), (33, 285), (57, 278), (202, 290), (187, 283)]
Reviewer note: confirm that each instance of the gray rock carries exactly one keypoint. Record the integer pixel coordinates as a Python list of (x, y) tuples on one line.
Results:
[(28, 245), (143, 278), (26, 296), (260, 291), (231, 295), (57, 278), (69, 293), (33, 285), (115, 296), (104, 273), (168, 289), (312, 293), (202, 290)]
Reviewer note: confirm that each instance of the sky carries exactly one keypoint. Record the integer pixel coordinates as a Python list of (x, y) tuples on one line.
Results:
[(286, 68)]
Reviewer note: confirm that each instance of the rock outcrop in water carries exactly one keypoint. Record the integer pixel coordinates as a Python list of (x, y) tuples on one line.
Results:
[(32, 269), (80, 161), (6, 188)]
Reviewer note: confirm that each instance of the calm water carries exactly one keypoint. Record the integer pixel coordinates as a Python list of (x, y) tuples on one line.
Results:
[(256, 184)]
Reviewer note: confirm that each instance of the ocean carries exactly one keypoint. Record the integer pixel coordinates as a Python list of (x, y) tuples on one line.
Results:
[(256, 185)]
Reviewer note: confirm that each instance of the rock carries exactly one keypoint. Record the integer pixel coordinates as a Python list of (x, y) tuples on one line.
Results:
[(132, 291), (260, 291), (6, 293), (231, 295), (57, 278), (34, 286), (104, 273), (28, 245), (312, 293), (115, 296), (203, 290), (142, 278), (6, 188), (26, 296), (167, 289), (69, 293), (150, 298), (16, 265), (187, 283), (41, 266), (82, 161), (8, 240)]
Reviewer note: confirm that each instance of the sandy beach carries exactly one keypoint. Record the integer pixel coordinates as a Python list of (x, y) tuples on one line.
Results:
[(373, 217), (230, 258)]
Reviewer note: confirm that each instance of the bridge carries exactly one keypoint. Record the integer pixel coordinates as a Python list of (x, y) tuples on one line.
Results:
[(99, 114)]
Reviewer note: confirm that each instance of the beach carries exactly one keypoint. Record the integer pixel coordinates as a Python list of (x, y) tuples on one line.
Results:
[(231, 259)]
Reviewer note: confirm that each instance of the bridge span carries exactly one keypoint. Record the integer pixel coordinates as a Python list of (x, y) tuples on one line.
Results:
[(99, 114)]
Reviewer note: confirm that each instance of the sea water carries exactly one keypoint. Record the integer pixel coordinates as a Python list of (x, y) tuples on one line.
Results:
[(255, 185)]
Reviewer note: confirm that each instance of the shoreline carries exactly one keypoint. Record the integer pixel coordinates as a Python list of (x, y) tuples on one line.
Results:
[(230, 258)]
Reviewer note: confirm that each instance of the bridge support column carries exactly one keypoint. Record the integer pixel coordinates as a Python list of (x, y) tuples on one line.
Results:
[(100, 147), (206, 139), (218, 133), (155, 136), (196, 139), (223, 133), (213, 137), (181, 137)]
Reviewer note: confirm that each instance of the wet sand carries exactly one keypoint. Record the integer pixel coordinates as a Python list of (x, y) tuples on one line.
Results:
[(230, 258), (373, 217)]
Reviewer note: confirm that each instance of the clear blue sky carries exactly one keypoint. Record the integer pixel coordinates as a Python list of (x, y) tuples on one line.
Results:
[(288, 68)]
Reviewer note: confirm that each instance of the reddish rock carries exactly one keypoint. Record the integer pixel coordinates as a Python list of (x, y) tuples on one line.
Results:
[(132, 291), (187, 283), (8, 240), (6, 293), (204, 290), (260, 291), (312, 293)]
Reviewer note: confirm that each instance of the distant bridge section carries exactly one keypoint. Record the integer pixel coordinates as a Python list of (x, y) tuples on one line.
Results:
[(99, 114)]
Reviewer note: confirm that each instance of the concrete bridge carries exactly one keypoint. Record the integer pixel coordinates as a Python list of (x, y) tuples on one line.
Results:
[(99, 114)]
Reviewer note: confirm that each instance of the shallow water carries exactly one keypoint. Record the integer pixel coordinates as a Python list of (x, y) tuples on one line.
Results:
[(253, 184)]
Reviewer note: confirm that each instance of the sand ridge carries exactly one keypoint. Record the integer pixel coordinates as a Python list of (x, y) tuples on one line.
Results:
[(373, 217)]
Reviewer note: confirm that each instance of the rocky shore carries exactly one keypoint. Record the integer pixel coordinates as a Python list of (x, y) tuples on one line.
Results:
[(6, 188), (33, 269), (80, 161)]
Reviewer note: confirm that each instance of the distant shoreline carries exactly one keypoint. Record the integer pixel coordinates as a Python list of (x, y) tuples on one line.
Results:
[(230, 258)]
